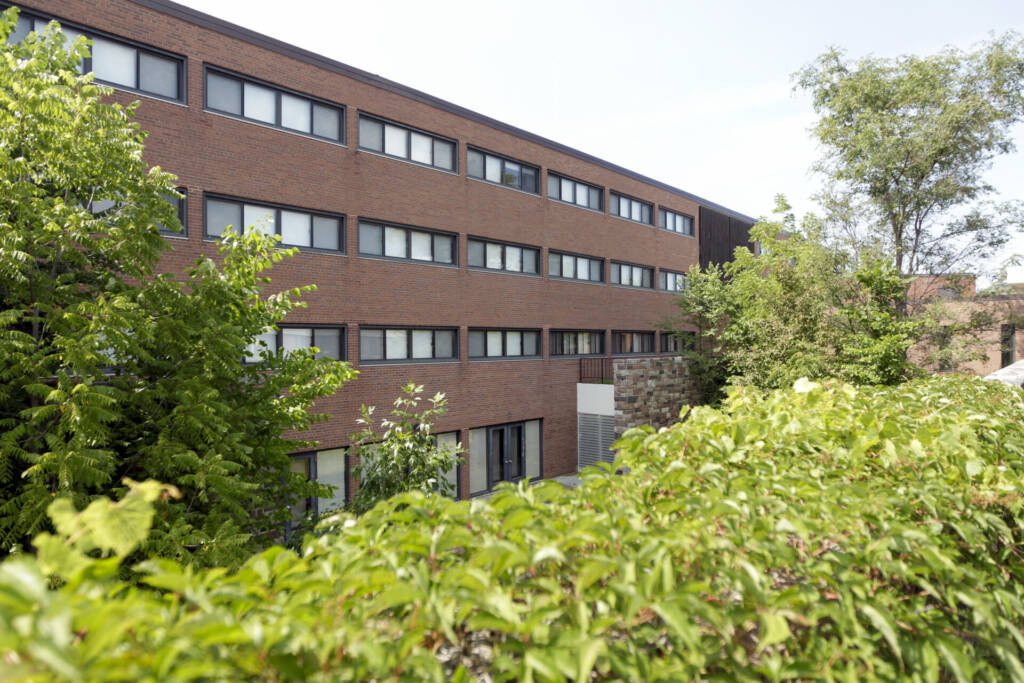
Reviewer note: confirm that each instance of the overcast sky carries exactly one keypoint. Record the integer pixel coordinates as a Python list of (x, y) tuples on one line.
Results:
[(697, 95)]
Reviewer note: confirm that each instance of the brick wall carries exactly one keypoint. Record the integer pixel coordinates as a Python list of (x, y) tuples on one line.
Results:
[(651, 391)]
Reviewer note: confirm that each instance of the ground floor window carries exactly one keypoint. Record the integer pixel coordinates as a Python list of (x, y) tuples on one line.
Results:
[(504, 452)]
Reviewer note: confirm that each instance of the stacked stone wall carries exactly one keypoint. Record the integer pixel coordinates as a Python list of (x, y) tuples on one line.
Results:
[(651, 391)]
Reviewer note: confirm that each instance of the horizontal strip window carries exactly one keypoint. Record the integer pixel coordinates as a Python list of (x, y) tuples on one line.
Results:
[(396, 140), (628, 275), (631, 209), (574, 192), (118, 62), (297, 228), (576, 343), (501, 170), (413, 244), (252, 100), (329, 342), (504, 343), (677, 342), (675, 222), (572, 267), (673, 282), (512, 258), (382, 345), (632, 342), (99, 206)]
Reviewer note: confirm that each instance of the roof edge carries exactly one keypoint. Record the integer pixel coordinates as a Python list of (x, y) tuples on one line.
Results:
[(261, 40)]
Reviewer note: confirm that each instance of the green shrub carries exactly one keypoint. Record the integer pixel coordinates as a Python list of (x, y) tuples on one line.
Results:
[(818, 532)]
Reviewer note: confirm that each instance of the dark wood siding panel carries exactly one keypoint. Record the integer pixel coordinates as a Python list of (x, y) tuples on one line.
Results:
[(720, 235)]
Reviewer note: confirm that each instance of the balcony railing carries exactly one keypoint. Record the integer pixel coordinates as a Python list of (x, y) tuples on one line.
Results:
[(596, 371)]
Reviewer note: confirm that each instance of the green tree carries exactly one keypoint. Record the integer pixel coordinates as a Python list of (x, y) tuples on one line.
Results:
[(906, 145), (108, 371), (402, 454)]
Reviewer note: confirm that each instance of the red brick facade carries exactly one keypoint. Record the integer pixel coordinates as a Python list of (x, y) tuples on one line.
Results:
[(219, 154)]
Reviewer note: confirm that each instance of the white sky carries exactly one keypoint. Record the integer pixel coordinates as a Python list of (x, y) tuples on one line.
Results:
[(697, 95)]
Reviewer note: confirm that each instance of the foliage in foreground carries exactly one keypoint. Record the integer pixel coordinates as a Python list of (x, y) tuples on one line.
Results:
[(819, 532), (107, 371)]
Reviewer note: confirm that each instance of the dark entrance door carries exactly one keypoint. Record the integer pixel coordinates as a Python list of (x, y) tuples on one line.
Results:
[(505, 453)]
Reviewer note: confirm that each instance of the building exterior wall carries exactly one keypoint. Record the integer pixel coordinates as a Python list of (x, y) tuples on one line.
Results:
[(651, 391), (214, 153)]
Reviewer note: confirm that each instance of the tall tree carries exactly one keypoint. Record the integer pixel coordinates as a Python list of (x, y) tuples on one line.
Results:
[(906, 145), (108, 371)]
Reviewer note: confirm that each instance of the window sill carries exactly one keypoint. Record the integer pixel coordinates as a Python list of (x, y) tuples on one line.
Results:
[(416, 262), (637, 289), (417, 164), (630, 220), (507, 187), (599, 212), (556, 278), (140, 93), (408, 361), (501, 359), (673, 232), (268, 126), (495, 271)]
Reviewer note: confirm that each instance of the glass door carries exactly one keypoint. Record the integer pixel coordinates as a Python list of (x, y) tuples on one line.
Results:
[(505, 453)]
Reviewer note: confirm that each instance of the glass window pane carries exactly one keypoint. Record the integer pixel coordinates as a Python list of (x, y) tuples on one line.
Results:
[(396, 141), (595, 199), (494, 343), (568, 266), (476, 343), (258, 218), (220, 215), (529, 260), (443, 251), (492, 168), (113, 62), (394, 242), (422, 148), (514, 259), (529, 179), (260, 103), (513, 343), (530, 344), (474, 164), (295, 228), (645, 213), (370, 239), (422, 343), (444, 155), (597, 270), (371, 344), (613, 205), (21, 29), (296, 113), (325, 233), (444, 343), (395, 342), (158, 75), (637, 280), (327, 122), (293, 338), (421, 246), (493, 255), (624, 208), (371, 134), (661, 220), (476, 253), (328, 340), (512, 175), (567, 186), (552, 186), (635, 211), (582, 194), (616, 274), (554, 265), (253, 350), (223, 94), (647, 275), (582, 269)]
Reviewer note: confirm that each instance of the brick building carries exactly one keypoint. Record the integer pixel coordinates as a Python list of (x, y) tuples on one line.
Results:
[(449, 249)]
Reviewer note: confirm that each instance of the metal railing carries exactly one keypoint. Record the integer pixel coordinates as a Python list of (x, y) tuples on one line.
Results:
[(596, 371)]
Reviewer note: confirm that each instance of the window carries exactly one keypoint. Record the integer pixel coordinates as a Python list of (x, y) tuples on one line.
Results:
[(504, 343), (576, 343), (675, 222), (1007, 345), (673, 282), (297, 228), (253, 100), (181, 203), (632, 342), (631, 209), (506, 452), (380, 345), (629, 275), (329, 341), (118, 62), (330, 467), (413, 244), (573, 267), (396, 140), (449, 441), (513, 258), (501, 170), (565, 189), (677, 342)]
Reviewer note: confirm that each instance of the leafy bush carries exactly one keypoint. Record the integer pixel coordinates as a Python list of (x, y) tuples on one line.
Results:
[(816, 532)]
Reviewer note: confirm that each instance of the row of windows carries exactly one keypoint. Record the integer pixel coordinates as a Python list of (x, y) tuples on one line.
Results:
[(573, 267), (296, 228), (329, 342), (126, 64), (673, 282), (629, 275), (512, 258), (403, 344), (378, 239), (504, 343), (632, 342)]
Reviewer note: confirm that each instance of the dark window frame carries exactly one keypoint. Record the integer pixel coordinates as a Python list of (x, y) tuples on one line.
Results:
[(641, 266), (686, 339), (504, 343), (559, 252), (409, 229), (503, 159), (559, 199), (409, 360), (551, 344), (182, 203), (279, 337), (619, 196), (663, 221), (278, 91), (663, 274), (503, 243), (617, 340), (458, 468), (278, 208), (88, 32), (409, 130), (1007, 345)]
